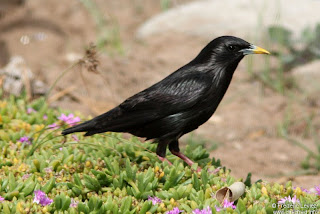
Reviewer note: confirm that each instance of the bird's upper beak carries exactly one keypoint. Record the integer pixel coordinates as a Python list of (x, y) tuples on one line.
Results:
[(254, 50)]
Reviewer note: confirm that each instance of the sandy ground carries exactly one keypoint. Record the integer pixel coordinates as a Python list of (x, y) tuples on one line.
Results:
[(245, 124)]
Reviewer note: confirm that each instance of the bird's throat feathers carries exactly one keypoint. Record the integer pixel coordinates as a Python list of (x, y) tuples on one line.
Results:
[(222, 74)]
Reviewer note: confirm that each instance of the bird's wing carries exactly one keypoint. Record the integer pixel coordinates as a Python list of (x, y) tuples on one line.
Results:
[(174, 94), (170, 96)]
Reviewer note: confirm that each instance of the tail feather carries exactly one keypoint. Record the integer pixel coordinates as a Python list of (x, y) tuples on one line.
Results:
[(83, 127), (98, 124), (115, 120)]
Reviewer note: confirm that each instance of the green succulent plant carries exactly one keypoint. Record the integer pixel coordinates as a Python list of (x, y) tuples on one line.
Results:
[(109, 174)]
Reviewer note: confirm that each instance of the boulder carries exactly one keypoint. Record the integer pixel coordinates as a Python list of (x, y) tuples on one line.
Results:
[(243, 18), (308, 77)]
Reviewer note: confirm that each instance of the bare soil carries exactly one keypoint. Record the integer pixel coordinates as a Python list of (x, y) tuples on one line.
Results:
[(245, 124)]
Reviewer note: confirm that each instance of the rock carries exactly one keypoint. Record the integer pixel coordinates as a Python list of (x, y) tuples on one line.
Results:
[(38, 87), (14, 73), (308, 77), (17, 76), (242, 18)]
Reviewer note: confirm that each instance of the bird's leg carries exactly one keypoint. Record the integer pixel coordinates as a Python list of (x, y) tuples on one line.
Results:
[(164, 159), (161, 151), (174, 149)]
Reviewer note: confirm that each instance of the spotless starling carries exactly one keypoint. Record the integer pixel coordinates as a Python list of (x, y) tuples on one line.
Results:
[(179, 103)]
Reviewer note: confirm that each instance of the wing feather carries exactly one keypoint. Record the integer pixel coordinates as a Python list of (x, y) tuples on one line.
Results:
[(168, 97)]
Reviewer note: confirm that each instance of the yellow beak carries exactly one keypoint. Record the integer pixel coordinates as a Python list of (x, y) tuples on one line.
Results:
[(254, 50), (258, 50)]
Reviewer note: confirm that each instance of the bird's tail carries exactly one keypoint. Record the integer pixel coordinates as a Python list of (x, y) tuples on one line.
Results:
[(83, 127)]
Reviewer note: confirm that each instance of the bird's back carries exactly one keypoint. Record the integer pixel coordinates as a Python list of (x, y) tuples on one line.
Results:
[(171, 121)]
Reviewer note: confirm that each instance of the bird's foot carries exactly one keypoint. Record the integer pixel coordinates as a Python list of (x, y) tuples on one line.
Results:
[(164, 159), (185, 159)]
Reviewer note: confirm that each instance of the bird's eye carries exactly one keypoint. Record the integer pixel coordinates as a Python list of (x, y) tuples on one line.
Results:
[(231, 47)]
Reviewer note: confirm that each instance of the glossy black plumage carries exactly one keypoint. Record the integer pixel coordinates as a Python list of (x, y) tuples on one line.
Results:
[(179, 103)]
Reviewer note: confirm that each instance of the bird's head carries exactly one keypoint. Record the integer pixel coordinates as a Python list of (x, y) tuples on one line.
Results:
[(228, 50)]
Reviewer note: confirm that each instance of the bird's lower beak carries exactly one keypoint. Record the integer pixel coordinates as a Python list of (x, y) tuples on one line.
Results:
[(254, 50)]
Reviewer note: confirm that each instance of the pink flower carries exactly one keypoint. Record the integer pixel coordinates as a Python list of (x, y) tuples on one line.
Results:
[(303, 190), (1, 199), (215, 171), (53, 126), (70, 119), (45, 117), (75, 137), (74, 203), (41, 198), (30, 110), (174, 211), (155, 200), (48, 169), (25, 139), (226, 204), (317, 189), (204, 211), (26, 176), (64, 119), (289, 199)]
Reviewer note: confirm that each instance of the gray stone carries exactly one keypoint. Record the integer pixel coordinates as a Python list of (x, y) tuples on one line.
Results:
[(242, 18), (308, 77), (16, 74)]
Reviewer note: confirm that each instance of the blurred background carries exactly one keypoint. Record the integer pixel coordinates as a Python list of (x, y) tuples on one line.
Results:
[(267, 124)]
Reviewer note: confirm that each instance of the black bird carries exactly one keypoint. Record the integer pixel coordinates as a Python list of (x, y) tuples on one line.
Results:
[(179, 103)]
